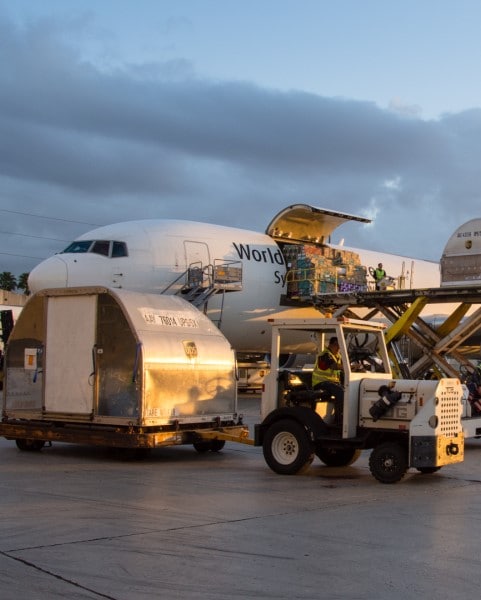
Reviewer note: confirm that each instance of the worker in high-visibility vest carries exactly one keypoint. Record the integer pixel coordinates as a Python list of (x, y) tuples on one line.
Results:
[(327, 375), (379, 275)]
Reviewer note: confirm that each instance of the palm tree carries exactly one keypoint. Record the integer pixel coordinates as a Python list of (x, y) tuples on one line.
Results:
[(7, 281), (23, 283)]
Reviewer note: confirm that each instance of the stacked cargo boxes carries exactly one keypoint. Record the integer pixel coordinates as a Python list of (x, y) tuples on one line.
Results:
[(313, 270)]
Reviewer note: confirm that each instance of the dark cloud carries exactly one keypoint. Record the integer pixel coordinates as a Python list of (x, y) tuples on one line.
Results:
[(85, 144)]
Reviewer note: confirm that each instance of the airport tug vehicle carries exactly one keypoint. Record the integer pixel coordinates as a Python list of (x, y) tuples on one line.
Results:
[(406, 423)]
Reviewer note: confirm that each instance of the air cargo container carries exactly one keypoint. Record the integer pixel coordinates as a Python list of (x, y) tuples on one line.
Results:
[(118, 368)]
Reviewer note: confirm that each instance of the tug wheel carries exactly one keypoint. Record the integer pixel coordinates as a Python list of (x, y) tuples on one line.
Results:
[(388, 462), (287, 448)]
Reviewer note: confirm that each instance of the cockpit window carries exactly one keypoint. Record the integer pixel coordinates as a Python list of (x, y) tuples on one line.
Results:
[(109, 248), (101, 247), (119, 249), (79, 246)]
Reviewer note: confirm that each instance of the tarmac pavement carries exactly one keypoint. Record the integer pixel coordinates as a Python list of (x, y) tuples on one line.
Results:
[(84, 523)]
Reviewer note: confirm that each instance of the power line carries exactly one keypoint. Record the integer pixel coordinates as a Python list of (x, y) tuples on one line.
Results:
[(23, 255), (40, 237), (37, 258), (17, 212)]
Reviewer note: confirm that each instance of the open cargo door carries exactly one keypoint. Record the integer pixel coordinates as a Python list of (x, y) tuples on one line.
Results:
[(308, 224)]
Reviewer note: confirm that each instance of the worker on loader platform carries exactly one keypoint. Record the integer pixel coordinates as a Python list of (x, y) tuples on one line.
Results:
[(379, 275), (327, 375)]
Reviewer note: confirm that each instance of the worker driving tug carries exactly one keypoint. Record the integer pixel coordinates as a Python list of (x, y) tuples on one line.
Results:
[(328, 375)]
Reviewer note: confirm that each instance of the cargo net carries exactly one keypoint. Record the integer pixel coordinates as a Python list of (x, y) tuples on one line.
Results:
[(313, 270), (448, 411)]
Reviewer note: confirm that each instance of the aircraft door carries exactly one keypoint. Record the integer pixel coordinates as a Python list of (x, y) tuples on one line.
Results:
[(197, 255)]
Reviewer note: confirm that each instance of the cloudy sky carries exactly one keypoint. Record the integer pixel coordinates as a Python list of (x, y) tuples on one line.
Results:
[(227, 112)]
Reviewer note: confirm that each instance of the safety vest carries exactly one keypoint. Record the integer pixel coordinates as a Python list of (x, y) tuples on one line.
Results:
[(379, 274), (330, 374)]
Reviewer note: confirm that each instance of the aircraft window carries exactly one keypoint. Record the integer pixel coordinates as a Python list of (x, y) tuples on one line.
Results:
[(119, 249), (79, 246), (101, 247)]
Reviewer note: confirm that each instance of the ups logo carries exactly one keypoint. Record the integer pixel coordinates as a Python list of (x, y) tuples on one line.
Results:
[(190, 349)]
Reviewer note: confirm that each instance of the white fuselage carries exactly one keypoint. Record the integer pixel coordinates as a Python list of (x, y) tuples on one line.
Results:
[(160, 251)]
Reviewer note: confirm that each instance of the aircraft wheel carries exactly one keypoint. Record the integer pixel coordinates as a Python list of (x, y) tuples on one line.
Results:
[(27, 445), (388, 462), (287, 448), (338, 457)]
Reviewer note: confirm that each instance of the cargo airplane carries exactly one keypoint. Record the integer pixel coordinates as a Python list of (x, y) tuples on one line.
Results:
[(255, 270)]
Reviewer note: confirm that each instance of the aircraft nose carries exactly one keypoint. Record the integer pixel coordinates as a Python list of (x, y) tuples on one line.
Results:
[(51, 273)]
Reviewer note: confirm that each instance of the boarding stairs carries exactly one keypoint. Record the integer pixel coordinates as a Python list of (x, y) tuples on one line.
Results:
[(200, 282)]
